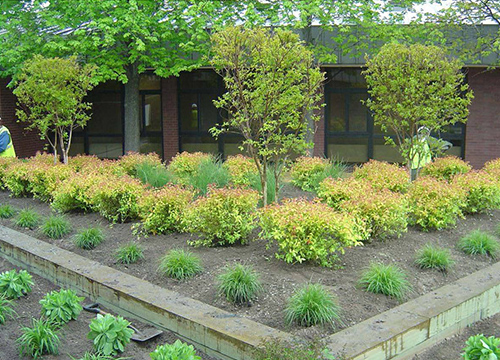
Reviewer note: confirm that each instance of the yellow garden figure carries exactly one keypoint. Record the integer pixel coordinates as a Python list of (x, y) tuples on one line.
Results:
[(6, 145)]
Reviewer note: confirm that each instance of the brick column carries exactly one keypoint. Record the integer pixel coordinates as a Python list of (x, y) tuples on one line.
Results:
[(170, 117), (26, 143), (482, 141)]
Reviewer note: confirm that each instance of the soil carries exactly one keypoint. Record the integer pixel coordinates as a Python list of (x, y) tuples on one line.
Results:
[(278, 278), (73, 337)]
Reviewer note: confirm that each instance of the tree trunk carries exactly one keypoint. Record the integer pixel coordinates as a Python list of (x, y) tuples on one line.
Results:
[(132, 134), (308, 39), (263, 183)]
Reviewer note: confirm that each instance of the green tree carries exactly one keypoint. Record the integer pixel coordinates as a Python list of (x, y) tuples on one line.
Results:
[(272, 88), (50, 95), (412, 87)]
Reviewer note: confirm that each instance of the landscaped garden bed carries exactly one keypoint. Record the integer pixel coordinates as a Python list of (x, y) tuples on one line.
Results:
[(279, 279), (73, 335)]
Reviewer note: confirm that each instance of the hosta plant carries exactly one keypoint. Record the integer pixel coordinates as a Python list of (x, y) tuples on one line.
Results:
[(478, 242), (110, 334), (89, 238), (178, 350), (39, 339), (480, 347), (311, 305), (239, 284), (59, 307), (129, 253), (15, 284), (179, 264), (6, 211), (55, 227), (6, 309), (385, 279)]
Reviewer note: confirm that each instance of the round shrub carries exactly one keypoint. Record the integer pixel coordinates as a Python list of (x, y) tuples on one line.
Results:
[(435, 204), (185, 164), (55, 227), (89, 238), (336, 191), (177, 350), (129, 254), (44, 179), (239, 284), (385, 279), (309, 231), (382, 175), (15, 178), (312, 305), (74, 194), (445, 168), (483, 191), (222, 217), (131, 160), (241, 168), (478, 242), (180, 264), (430, 257)]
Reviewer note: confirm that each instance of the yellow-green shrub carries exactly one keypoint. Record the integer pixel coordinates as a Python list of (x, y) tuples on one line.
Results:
[(224, 216), (309, 231), (445, 168), (335, 191), (382, 175), (4, 164), (185, 164), (435, 204), (45, 179), (492, 167), (305, 169), (162, 210), (117, 198), (81, 163), (483, 191), (16, 178), (240, 169), (130, 161)]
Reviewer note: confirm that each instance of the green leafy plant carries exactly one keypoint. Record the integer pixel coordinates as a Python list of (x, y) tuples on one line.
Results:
[(7, 211), (480, 347), (95, 356), (431, 257), (27, 218), (89, 238), (446, 168), (55, 227), (478, 242), (309, 231), (209, 172), (185, 164), (59, 307), (180, 264), (154, 175), (132, 161), (241, 169), (129, 254), (239, 284), (224, 216), (385, 279), (308, 172), (110, 334), (483, 191), (312, 305), (15, 284), (39, 339), (382, 175), (178, 350), (275, 349), (6, 309)]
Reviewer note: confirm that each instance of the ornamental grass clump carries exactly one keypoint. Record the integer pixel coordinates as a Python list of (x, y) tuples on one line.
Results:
[(95, 356), (27, 218), (6, 309), (178, 350), (435, 204), (40, 339), (89, 238), (154, 176), (432, 257), (483, 191), (60, 307), (241, 169), (445, 168), (239, 283), (308, 172), (382, 175), (209, 173), (478, 242), (223, 217), (110, 334), (385, 279), (309, 231), (130, 162), (312, 305), (161, 211), (129, 254), (185, 165), (15, 284), (7, 211), (180, 265), (56, 227)]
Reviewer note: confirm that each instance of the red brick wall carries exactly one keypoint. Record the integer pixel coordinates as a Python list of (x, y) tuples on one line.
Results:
[(482, 141), (26, 143), (170, 117)]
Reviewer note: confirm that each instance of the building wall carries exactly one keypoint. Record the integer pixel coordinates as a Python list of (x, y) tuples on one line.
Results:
[(26, 143), (170, 117), (482, 138)]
